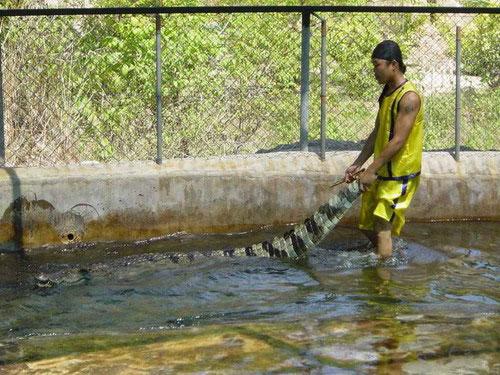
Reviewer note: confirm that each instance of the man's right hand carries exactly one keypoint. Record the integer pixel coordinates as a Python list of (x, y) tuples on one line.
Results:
[(350, 172)]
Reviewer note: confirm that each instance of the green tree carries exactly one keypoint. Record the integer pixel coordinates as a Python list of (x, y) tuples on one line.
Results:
[(481, 49)]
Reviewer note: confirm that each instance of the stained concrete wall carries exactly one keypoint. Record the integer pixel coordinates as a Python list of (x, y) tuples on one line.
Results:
[(130, 201)]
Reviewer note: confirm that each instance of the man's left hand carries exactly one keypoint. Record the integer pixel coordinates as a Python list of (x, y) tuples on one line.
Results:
[(366, 179)]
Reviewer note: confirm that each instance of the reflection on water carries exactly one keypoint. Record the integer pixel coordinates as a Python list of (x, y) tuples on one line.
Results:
[(433, 308)]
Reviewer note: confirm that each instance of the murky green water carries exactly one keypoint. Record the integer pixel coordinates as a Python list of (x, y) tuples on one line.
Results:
[(432, 309)]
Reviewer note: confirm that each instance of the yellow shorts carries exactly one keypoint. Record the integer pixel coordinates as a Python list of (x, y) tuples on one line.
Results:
[(387, 200)]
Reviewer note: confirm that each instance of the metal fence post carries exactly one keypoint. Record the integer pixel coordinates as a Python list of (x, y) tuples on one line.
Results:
[(323, 89), (159, 123), (458, 93), (304, 80), (2, 127)]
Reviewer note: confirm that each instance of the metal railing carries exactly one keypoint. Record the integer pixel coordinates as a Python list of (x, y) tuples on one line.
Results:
[(107, 84)]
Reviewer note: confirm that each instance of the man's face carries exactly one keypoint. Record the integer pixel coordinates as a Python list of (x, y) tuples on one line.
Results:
[(383, 70)]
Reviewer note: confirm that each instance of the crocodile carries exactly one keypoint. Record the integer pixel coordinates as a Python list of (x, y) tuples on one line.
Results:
[(293, 244)]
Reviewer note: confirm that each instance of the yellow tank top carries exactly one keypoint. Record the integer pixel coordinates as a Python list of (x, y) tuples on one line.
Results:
[(408, 160)]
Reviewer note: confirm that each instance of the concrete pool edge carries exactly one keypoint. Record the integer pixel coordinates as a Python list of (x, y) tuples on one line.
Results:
[(140, 200)]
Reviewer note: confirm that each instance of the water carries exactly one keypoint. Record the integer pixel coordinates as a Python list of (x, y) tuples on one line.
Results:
[(433, 308)]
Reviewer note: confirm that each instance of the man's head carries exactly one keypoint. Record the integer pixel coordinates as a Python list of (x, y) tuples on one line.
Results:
[(387, 61)]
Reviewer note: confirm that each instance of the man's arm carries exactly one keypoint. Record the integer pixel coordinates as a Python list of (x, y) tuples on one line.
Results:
[(408, 110)]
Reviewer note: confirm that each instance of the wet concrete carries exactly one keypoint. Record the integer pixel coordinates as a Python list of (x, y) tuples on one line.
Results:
[(141, 200)]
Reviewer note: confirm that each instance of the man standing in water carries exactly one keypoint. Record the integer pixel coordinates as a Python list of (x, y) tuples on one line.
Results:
[(390, 181)]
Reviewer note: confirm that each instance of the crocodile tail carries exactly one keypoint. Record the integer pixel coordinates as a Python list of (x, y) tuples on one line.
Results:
[(303, 237)]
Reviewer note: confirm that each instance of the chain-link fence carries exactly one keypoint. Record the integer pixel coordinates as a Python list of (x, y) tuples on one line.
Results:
[(82, 87), (429, 44)]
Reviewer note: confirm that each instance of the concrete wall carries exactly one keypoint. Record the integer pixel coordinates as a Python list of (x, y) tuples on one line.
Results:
[(130, 201)]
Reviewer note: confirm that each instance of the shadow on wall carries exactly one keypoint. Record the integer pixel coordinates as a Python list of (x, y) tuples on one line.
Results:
[(36, 222), (17, 212), (339, 145), (315, 146)]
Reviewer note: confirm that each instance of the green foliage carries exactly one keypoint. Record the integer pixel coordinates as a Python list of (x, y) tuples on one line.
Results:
[(230, 83), (479, 3), (114, 79), (479, 39), (481, 46), (439, 117), (480, 128), (481, 119)]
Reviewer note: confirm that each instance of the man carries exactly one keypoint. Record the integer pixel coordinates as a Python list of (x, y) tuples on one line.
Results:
[(390, 181)]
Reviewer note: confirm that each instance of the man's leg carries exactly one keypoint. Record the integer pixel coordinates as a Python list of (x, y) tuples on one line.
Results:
[(383, 236)]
